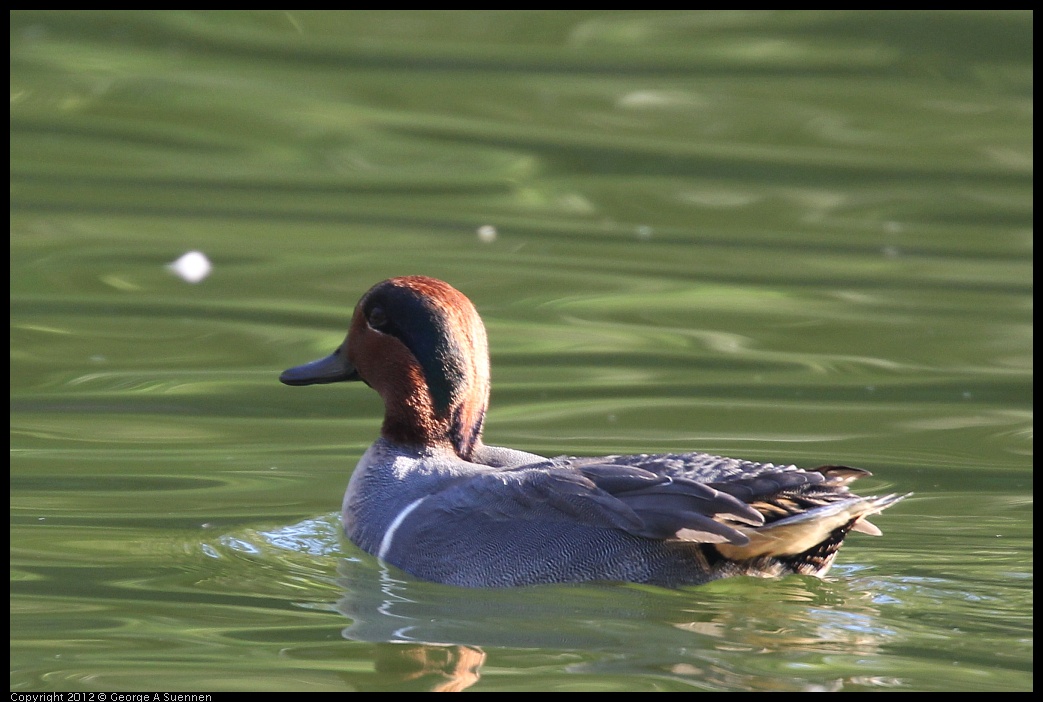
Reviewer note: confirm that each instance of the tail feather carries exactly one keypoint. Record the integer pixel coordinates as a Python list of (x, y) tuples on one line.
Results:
[(820, 529)]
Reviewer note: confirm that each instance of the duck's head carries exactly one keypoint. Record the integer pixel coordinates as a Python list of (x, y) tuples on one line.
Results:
[(420, 343)]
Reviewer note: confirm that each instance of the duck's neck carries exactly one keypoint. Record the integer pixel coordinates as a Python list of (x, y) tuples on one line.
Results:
[(414, 421)]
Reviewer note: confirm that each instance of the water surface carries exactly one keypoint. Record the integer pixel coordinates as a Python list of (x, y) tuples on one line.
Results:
[(796, 237)]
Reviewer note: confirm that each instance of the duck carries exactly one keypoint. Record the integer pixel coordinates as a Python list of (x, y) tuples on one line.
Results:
[(430, 498)]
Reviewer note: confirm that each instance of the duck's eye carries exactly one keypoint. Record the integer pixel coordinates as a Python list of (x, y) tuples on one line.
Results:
[(377, 318)]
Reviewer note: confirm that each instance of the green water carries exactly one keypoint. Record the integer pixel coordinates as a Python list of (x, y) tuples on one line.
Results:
[(796, 237)]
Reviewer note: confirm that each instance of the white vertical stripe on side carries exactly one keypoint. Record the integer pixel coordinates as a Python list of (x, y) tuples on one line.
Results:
[(389, 535)]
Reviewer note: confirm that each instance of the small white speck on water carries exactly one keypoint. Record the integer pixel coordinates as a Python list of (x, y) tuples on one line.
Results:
[(193, 267)]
